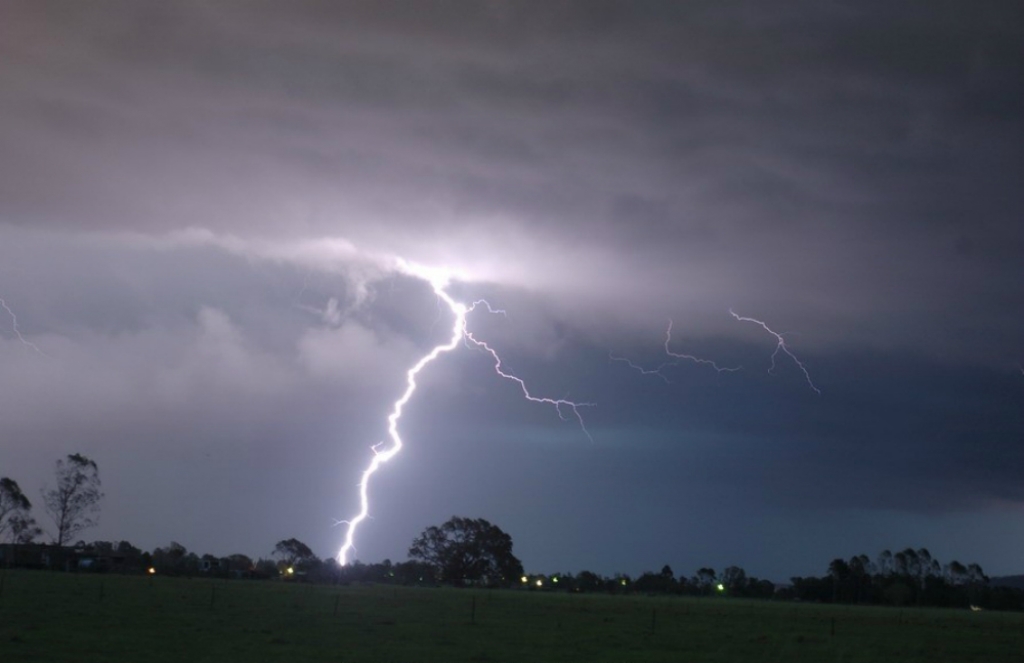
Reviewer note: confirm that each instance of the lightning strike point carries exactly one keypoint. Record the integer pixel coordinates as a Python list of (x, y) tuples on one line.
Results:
[(779, 347), (381, 454)]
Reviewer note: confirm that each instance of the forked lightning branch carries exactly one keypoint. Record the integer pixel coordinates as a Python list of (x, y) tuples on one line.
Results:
[(383, 452)]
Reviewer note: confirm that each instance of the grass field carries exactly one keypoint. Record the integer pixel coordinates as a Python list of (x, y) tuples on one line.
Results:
[(57, 617)]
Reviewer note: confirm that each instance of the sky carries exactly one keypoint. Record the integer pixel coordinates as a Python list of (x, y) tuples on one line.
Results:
[(216, 218)]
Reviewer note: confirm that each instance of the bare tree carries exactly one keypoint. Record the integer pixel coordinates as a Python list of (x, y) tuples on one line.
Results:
[(734, 579), (76, 498)]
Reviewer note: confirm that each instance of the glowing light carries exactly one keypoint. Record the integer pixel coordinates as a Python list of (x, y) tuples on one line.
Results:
[(779, 347), (540, 583), (17, 331), (721, 587), (555, 580), (525, 580), (151, 571), (677, 357), (290, 571), (438, 280)]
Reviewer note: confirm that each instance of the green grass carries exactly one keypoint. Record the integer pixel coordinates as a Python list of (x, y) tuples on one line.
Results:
[(57, 617)]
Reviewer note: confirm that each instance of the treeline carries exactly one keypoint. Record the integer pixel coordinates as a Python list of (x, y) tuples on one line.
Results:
[(291, 560), (467, 551), (907, 577), (733, 581)]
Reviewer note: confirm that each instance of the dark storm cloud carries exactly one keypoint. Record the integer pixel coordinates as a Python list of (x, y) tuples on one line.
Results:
[(887, 432), (842, 166), (203, 208)]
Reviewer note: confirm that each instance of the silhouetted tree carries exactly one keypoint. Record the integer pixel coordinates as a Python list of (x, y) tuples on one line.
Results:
[(24, 529), (620, 582), (466, 549), (295, 560), (956, 573), (907, 577), (295, 554), (239, 564), (325, 571), (839, 572), (911, 564), (705, 579), (265, 568), (127, 549), (76, 498), (860, 576), (170, 559), (657, 583), (924, 566), (14, 508), (976, 581), (885, 563), (734, 579), (975, 574), (588, 581)]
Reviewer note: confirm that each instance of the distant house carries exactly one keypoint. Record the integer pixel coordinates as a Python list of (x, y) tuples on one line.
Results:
[(213, 565)]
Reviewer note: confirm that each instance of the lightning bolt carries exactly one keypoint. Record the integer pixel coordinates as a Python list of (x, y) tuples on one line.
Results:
[(646, 371), (557, 403), (382, 454), (678, 357), (779, 347), (17, 332)]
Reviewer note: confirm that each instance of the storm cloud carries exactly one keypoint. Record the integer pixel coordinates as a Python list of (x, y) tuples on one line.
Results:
[(212, 219)]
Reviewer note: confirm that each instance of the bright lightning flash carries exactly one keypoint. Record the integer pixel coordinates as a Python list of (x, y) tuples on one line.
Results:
[(779, 347), (677, 358), (382, 455), (17, 332)]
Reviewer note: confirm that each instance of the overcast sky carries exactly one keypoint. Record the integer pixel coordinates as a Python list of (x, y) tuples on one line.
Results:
[(208, 213)]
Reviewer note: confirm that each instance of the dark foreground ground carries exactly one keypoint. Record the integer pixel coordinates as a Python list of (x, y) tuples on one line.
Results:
[(56, 617)]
